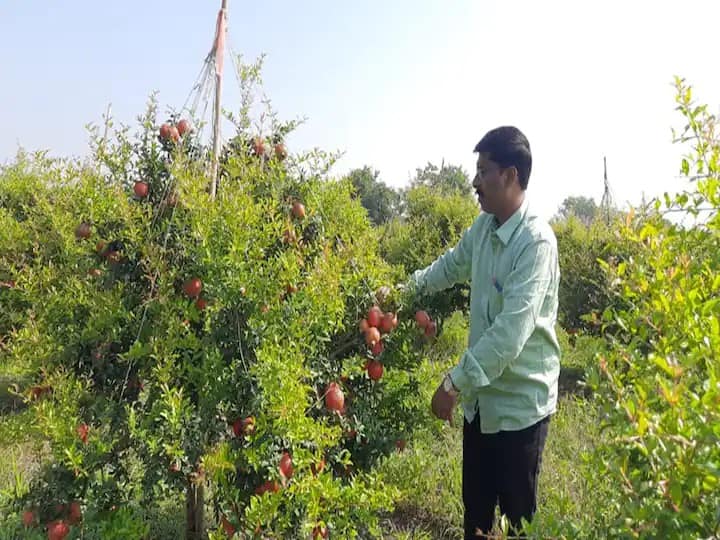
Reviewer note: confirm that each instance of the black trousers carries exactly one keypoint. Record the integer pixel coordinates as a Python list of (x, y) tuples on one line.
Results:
[(500, 468)]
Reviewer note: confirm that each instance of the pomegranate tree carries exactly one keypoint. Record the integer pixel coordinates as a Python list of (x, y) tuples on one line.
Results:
[(232, 342)]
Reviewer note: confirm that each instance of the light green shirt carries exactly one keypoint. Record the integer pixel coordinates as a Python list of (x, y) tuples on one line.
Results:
[(509, 372)]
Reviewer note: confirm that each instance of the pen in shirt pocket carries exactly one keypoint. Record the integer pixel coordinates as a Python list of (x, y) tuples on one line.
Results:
[(497, 285)]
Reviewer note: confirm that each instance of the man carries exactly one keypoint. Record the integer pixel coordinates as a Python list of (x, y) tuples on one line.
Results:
[(507, 379)]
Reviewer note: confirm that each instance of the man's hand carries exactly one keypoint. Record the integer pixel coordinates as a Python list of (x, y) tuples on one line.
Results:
[(443, 404)]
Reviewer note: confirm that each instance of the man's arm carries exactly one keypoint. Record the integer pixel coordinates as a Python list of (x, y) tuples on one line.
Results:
[(454, 266), (524, 292)]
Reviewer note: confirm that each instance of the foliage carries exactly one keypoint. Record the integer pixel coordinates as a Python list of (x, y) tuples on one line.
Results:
[(580, 207), (142, 379), (584, 286), (660, 384), (433, 223), (446, 180), (578, 350), (381, 202)]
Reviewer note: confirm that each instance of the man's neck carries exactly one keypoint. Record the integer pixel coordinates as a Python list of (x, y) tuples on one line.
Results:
[(507, 213)]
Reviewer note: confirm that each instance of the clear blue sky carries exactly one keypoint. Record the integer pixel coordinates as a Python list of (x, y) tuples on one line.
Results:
[(393, 83)]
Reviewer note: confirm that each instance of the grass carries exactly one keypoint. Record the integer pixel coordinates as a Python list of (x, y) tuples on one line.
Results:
[(19, 452), (429, 475), (570, 497), (429, 472), (578, 350), (9, 401)]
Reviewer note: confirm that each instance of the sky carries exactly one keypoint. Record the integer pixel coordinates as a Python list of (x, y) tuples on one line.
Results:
[(394, 84)]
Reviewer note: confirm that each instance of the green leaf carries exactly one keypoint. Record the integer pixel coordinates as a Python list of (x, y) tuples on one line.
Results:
[(662, 363), (716, 283), (676, 491), (710, 482), (714, 326)]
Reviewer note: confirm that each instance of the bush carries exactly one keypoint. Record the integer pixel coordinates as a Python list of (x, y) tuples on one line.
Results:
[(584, 288), (658, 386), (179, 343), (433, 223)]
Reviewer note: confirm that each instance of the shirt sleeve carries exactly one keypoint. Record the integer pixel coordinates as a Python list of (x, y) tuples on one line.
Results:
[(454, 266), (523, 296)]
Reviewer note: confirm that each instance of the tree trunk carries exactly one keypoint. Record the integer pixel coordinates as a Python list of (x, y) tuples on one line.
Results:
[(194, 510)]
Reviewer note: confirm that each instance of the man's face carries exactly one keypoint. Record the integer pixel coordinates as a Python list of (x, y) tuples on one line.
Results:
[(491, 184)]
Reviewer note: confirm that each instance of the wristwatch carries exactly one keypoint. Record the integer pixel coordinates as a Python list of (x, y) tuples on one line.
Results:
[(449, 386)]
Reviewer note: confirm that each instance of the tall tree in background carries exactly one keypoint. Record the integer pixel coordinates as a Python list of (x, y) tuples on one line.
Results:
[(583, 208), (381, 202), (446, 179)]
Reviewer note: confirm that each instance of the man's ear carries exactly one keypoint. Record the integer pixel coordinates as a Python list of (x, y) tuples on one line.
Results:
[(510, 176)]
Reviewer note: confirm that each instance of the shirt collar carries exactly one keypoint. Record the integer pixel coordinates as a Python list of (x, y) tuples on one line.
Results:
[(506, 230)]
